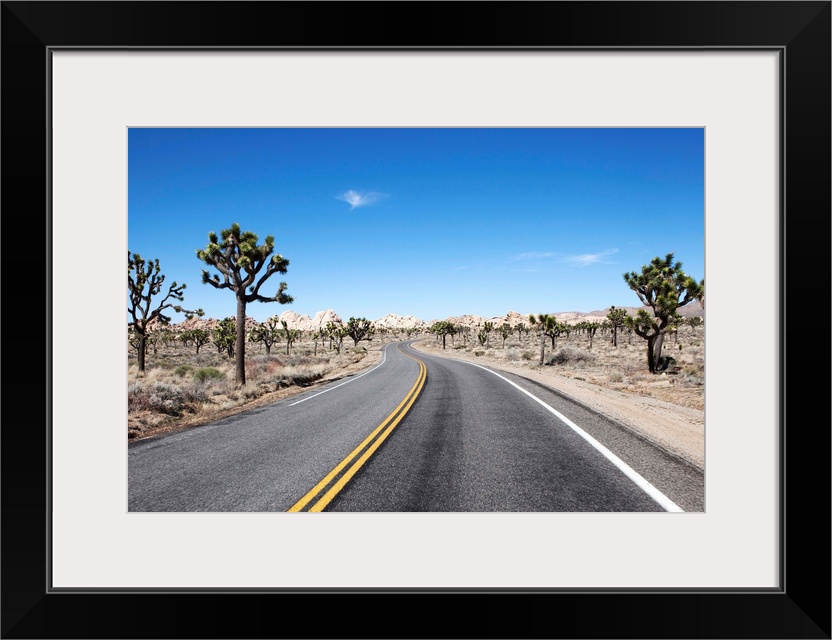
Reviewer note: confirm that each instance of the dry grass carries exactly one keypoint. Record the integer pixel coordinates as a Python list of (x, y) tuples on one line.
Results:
[(180, 389), (623, 368), (172, 395)]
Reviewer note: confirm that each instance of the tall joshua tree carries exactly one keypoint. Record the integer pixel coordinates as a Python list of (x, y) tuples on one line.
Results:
[(663, 286), (443, 329), (144, 285), (617, 320), (542, 321), (268, 333), (505, 331), (290, 335), (239, 260), (360, 329)]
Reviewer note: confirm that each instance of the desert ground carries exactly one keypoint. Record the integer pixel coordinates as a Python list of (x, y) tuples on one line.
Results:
[(181, 389)]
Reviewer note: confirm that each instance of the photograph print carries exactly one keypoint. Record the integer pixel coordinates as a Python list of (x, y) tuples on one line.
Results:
[(416, 320)]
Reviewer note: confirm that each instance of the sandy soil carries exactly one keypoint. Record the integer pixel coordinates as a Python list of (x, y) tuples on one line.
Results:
[(672, 426), (144, 420)]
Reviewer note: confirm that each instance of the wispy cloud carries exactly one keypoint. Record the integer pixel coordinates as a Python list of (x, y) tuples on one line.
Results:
[(533, 255), (356, 199), (586, 259)]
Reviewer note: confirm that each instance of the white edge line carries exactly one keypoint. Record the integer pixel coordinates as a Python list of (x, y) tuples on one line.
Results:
[(347, 382), (633, 475)]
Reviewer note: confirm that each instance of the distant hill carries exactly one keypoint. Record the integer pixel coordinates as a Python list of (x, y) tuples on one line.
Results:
[(393, 321)]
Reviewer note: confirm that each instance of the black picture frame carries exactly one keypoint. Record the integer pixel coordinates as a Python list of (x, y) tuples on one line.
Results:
[(799, 608)]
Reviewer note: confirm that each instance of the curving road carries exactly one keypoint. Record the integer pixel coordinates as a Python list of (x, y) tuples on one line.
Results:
[(414, 433)]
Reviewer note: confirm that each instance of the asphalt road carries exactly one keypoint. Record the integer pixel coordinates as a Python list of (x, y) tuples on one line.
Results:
[(415, 433)]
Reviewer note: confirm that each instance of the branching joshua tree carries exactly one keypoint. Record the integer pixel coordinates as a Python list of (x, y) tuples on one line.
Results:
[(443, 329), (336, 333), (540, 321), (289, 335), (521, 329), (484, 333), (505, 331), (663, 286), (693, 322), (144, 285), (195, 337), (224, 336), (360, 329), (239, 260), (268, 333), (590, 328), (616, 318), (553, 329)]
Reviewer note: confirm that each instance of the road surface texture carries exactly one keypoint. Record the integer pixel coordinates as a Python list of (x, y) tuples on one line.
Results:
[(415, 433)]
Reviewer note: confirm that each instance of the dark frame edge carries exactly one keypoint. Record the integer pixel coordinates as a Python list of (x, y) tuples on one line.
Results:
[(802, 607)]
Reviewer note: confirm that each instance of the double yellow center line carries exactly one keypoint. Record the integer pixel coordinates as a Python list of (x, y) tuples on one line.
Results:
[(343, 472)]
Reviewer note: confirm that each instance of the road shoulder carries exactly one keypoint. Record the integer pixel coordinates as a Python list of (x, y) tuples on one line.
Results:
[(677, 429)]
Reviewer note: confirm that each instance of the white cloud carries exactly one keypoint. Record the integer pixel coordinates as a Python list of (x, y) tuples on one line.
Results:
[(356, 199), (533, 255), (586, 259)]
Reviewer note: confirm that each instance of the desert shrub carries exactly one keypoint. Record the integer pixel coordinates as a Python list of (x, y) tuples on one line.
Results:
[(527, 355), (479, 352), (568, 355), (302, 374), (616, 376), (305, 378), (252, 391), (159, 397), (182, 370), (208, 373), (459, 346)]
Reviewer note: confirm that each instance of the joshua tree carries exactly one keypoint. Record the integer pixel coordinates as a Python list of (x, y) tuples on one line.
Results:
[(616, 318), (336, 333), (521, 328), (239, 259), (196, 337), (663, 286), (225, 336), (144, 285), (590, 328), (484, 333), (443, 328), (290, 335), (553, 329), (505, 332), (268, 333), (360, 329), (694, 321), (541, 321)]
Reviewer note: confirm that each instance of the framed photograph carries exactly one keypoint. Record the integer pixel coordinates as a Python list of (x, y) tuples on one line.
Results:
[(82, 80)]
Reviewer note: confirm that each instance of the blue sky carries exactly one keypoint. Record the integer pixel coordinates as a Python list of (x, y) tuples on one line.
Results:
[(425, 222)]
